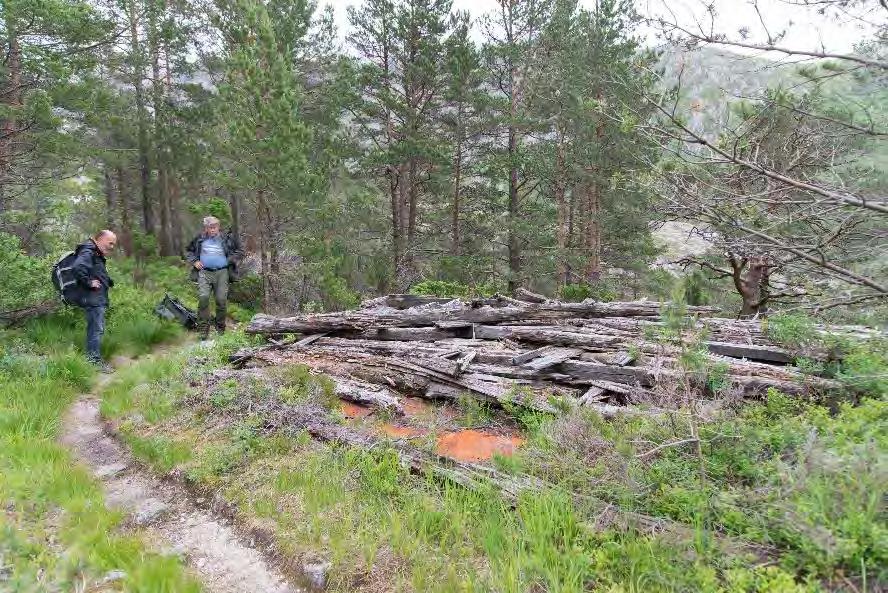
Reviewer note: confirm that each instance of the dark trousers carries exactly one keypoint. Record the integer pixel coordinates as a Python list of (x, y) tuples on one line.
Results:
[(95, 327), (215, 283)]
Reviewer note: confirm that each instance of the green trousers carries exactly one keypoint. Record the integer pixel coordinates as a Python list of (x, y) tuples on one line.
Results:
[(213, 282)]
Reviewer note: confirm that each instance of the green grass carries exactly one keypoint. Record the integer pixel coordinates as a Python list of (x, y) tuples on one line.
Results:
[(56, 533), (56, 530)]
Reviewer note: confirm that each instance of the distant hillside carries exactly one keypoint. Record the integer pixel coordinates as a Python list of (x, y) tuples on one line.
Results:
[(710, 79)]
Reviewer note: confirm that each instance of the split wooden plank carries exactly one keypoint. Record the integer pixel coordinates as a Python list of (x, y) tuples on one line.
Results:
[(551, 358), (593, 394), (446, 366), (530, 355), (752, 352), (464, 362), (366, 394)]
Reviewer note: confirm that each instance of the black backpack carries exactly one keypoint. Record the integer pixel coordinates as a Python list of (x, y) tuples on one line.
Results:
[(172, 309), (63, 278)]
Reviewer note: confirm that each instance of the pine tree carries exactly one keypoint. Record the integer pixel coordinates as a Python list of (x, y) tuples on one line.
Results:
[(272, 148), (513, 53), (403, 83)]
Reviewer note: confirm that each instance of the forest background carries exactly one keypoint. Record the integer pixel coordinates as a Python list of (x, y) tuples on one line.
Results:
[(608, 149)]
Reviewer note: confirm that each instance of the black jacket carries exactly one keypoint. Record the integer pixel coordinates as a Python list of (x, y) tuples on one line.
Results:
[(89, 265), (232, 248)]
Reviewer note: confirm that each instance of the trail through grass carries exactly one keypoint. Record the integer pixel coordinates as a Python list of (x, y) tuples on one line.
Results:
[(55, 532)]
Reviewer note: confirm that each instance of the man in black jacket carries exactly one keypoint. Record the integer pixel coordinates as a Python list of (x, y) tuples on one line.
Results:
[(93, 283), (214, 257)]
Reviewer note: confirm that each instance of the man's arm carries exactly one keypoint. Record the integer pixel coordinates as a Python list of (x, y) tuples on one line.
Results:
[(237, 252), (82, 269), (191, 253)]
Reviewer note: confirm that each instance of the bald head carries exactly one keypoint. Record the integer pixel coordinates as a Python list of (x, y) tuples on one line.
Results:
[(105, 240)]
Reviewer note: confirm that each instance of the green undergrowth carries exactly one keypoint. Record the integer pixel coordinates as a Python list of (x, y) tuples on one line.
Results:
[(55, 531), (784, 473), (802, 480)]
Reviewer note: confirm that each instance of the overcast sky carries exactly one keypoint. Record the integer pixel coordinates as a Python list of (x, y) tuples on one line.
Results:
[(806, 29)]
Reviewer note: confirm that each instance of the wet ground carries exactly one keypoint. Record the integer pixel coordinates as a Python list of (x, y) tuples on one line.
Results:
[(422, 418)]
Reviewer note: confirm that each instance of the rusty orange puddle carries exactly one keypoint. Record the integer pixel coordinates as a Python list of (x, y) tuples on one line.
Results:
[(476, 445), (351, 410)]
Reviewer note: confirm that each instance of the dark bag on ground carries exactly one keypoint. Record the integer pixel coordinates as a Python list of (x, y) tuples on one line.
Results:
[(173, 309), (63, 279)]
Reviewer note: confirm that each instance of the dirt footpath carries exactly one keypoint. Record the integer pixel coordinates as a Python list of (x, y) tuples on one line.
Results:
[(214, 551)]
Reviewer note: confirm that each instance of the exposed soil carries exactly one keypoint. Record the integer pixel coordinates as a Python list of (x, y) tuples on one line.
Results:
[(212, 548)]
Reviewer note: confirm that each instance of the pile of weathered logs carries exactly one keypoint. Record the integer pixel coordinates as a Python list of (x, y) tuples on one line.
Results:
[(532, 352)]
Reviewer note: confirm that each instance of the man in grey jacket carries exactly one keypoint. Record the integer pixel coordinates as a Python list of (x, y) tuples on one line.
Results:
[(214, 257)]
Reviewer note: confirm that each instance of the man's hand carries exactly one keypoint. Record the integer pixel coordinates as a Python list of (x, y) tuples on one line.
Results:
[(95, 284), (198, 265)]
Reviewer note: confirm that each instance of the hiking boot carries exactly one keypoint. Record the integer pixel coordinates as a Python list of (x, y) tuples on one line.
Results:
[(101, 366)]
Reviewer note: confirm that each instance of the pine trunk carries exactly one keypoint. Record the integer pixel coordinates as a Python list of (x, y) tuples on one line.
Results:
[(173, 190), (12, 96), (148, 221), (126, 229), (457, 182), (162, 185), (563, 215), (110, 196), (175, 214), (263, 218), (593, 234), (513, 244)]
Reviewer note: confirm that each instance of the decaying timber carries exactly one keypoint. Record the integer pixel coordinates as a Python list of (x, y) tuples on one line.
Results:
[(531, 351)]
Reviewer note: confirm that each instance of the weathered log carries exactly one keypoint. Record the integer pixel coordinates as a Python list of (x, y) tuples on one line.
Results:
[(597, 371), (452, 311), (405, 334), (530, 297), (546, 335), (403, 301), (18, 316)]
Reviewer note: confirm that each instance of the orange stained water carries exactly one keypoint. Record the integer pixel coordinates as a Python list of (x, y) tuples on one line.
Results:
[(351, 410), (476, 445)]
